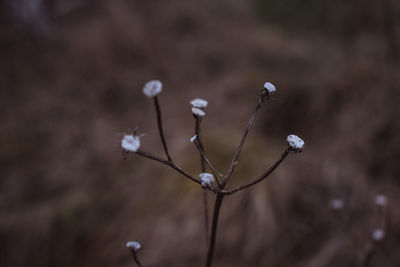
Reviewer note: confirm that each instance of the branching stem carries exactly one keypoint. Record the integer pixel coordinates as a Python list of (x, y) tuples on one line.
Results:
[(220, 189), (168, 163), (222, 193), (245, 133), (261, 177)]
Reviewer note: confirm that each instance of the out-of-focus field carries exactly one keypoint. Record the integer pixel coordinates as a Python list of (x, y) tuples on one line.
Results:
[(71, 75)]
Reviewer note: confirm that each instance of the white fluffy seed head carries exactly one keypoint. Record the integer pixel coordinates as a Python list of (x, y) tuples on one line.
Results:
[(134, 245), (198, 112), (336, 204), (152, 88), (295, 142), (193, 138), (199, 103), (207, 179), (130, 142), (378, 234), (381, 200), (269, 87)]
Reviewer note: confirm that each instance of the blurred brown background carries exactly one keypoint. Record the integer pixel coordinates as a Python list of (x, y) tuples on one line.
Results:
[(71, 79)]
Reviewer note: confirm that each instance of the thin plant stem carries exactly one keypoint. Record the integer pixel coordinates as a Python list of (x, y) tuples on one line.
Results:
[(160, 127), (175, 167), (199, 145), (245, 133), (206, 224), (168, 163), (211, 247), (209, 164), (261, 177), (370, 253), (136, 259)]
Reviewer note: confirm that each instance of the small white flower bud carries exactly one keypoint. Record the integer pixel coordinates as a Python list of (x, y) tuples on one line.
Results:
[(269, 87), (207, 179), (130, 142), (378, 234), (193, 138), (198, 112), (199, 103), (134, 245), (381, 200), (295, 143), (152, 88)]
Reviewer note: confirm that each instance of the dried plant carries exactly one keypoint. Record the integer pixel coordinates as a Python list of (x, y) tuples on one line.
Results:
[(214, 182)]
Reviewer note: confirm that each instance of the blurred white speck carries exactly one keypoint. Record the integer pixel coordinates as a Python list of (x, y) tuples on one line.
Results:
[(193, 138), (381, 200), (336, 204), (378, 234)]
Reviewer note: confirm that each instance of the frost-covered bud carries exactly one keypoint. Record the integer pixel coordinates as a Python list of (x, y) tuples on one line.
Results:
[(336, 204), (199, 103), (193, 138), (381, 200), (269, 88), (152, 88), (295, 143), (130, 142), (198, 112), (378, 234), (207, 179), (198, 106), (135, 246)]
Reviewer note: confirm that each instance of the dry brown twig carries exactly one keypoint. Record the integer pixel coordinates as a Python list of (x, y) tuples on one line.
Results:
[(131, 143)]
